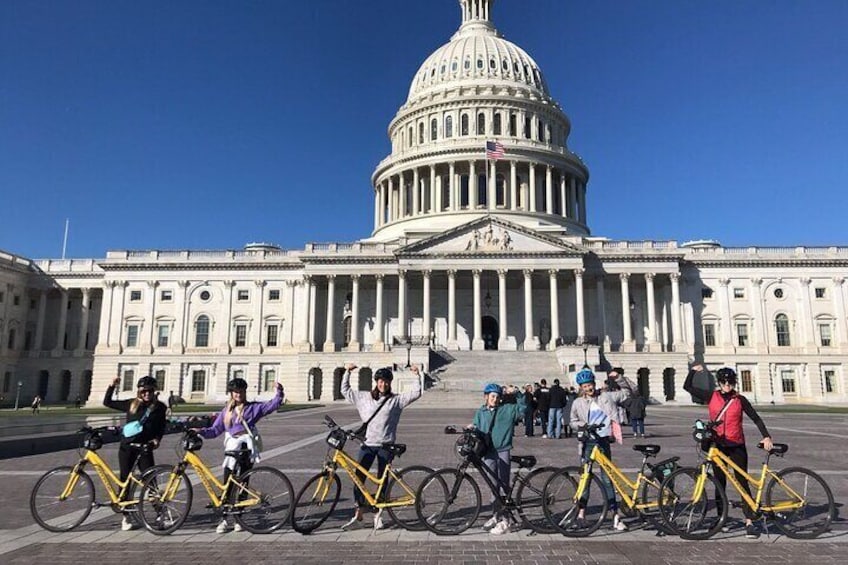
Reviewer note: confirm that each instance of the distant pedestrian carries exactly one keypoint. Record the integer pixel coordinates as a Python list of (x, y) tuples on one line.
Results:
[(172, 401), (543, 403), (557, 401), (78, 402), (36, 405), (636, 406), (529, 410)]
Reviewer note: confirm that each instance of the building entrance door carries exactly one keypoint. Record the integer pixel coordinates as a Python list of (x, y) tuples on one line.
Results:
[(491, 333), (643, 382)]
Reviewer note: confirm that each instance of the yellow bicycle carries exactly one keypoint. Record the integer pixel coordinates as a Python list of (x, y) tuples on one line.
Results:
[(575, 501), (798, 501), (317, 500), (64, 497), (258, 499)]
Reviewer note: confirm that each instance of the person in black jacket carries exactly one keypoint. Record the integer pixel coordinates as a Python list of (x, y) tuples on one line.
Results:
[(635, 406), (144, 408), (543, 402), (558, 400), (529, 410)]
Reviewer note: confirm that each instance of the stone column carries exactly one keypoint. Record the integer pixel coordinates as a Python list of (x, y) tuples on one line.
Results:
[(572, 197), (532, 188), (724, 312), (493, 183), (473, 198), (147, 340), (503, 342), (256, 345), (292, 286), (454, 200), (63, 322), (402, 321), (602, 309), (452, 308), (416, 192), (84, 314), (807, 316), (652, 312), (839, 310), (580, 302), (379, 343), (583, 203), (178, 340), (552, 275), (625, 310), (428, 324), (529, 340), (308, 287), (404, 197), (676, 334), (391, 201), (477, 341), (42, 311), (513, 186), (353, 345), (330, 341), (226, 345), (118, 321), (433, 199), (377, 194), (438, 189), (759, 329), (384, 202), (562, 198), (549, 190)]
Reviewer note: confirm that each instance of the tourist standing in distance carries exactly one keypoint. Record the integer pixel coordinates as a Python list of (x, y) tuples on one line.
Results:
[(529, 410), (543, 403), (636, 407), (381, 409), (557, 401)]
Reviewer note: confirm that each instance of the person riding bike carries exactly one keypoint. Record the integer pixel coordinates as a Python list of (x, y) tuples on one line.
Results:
[(602, 407), (381, 409), (237, 421), (149, 414), (728, 406)]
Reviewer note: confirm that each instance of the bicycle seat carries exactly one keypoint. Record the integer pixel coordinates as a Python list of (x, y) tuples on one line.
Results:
[(776, 448), (649, 449), (237, 452), (524, 461), (396, 449)]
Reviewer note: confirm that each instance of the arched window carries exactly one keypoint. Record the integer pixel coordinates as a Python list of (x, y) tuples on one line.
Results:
[(496, 123), (434, 129), (479, 63), (540, 131), (467, 64), (448, 126), (528, 127), (781, 328), (463, 125), (421, 133), (512, 124), (481, 124), (411, 138), (201, 332), (500, 191)]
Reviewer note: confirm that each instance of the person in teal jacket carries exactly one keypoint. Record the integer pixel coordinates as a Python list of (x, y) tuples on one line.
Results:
[(506, 415)]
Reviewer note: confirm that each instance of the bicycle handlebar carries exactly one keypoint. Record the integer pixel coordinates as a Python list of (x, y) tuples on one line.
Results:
[(100, 430)]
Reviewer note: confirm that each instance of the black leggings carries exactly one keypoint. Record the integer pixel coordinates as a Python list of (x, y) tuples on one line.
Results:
[(127, 456), (739, 455)]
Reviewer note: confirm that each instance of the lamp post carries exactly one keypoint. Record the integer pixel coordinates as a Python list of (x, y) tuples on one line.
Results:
[(585, 354), (18, 395), (408, 353)]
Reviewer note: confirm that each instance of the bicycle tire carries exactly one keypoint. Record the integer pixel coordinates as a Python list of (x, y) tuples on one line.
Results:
[(315, 503), (405, 516), (563, 503), (55, 514), (448, 502), (162, 513), (818, 503), (274, 507), (692, 519), (530, 500), (130, 512), (649, 493)]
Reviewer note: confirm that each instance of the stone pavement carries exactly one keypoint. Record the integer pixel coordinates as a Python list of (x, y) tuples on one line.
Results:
[(294, 442)]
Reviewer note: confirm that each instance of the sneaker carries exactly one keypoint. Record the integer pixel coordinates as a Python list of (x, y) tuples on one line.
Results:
[(544, 436), (490, 523), (500, 528), (618, 524), (237, 528), (635, 435), (223, 527), (128, 525), (378, 521), (353, 523), (751, 531)]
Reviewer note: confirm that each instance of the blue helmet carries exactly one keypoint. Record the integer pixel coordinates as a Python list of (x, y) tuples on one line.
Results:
[(492, 387), (585, 376)]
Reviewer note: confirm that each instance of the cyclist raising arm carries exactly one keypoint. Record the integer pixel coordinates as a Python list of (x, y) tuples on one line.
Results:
[(728, 406), (381, 408)]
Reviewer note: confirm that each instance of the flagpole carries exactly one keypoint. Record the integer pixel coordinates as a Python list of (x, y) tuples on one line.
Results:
[(65, 239)]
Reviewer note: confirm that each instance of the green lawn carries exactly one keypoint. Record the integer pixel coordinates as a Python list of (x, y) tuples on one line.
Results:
[(803, 409), (181, 410)]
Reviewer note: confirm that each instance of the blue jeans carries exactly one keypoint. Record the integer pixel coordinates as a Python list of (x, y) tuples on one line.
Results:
[(638, 425), (554, 422), (366, 458), (528, 423), (604, 446)]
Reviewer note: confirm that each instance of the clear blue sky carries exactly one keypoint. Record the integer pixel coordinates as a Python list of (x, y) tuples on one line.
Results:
[(208, 124)]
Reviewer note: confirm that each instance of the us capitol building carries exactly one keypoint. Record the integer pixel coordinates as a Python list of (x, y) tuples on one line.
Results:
[(477, 267)]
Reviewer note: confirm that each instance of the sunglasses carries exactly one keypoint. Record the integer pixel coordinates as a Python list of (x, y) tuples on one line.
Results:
[(147, 390)]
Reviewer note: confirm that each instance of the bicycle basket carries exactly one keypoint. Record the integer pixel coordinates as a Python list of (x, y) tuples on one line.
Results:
[(663, 469), (472, 442), (192, 442), (336, 439), (92, 441)]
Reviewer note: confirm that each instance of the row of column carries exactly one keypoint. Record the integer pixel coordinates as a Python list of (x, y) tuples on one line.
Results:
[(392, 203), (37, 343), (477, 337)]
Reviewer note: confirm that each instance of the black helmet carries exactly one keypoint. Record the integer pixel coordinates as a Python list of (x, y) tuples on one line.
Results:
[(385, 374), (147, 382), (237, 383), (726, 375)]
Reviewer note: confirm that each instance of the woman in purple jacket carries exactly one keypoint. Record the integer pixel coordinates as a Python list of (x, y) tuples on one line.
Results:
[(237, 421)]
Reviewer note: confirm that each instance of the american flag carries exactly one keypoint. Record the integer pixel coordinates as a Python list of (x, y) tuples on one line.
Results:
[(494, 150)]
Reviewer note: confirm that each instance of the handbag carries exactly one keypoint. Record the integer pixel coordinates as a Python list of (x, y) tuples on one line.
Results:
[(132, 429), (360, 431)]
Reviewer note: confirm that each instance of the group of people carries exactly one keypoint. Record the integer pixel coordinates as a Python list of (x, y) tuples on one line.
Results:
[(606, 403)]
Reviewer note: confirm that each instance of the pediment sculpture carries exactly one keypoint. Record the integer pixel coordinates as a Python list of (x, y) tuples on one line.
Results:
[(488, 241)]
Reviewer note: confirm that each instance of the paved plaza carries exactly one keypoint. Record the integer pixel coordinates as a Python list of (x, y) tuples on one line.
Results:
[(294, 442)]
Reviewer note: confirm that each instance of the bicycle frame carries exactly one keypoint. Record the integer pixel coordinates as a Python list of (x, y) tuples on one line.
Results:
[(351, 467), (107, 477), (619, 480), (216, 490)]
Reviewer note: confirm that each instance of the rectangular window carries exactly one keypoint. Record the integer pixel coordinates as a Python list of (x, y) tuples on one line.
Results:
[(198, 381), (16, 300), (11, 342), (166, 295), (238, 374), (273, 295), (709, 335), (243, 295), (787, 381), (826, 335), (742, 335), (241, 335), (135, 296), (132, 335), (7, 381), (829, 380), (820, 292), (271, 333), (27, 341), (159, 375), (738, 293), (269, 380), (2, 297), (747, 383), (706, 292), (164, 334), (32, 304), (129, 377)]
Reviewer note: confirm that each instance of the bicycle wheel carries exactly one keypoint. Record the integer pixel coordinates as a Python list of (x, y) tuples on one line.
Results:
[(405, 516), (56, 513), (268, 495), (164, 501), (572, 510), (130, 511), (649, 495), (315, 502), (799, 485), (448, 502), (529, 500), (689, 514)]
